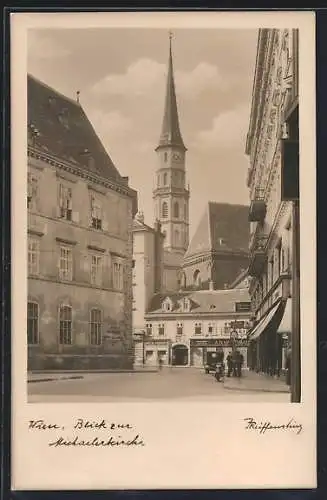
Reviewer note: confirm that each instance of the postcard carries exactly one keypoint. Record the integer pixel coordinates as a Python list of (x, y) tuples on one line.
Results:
[(163, 199)]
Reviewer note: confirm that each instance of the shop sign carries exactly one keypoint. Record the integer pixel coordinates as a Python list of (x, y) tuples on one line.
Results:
[(157, 341), (218, 343)]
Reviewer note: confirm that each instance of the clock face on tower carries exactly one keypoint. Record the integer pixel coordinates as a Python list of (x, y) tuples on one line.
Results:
[(177, 156)]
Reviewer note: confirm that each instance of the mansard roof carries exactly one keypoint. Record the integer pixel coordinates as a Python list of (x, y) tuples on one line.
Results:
[(65, 131), (223, 227), (202, 301)]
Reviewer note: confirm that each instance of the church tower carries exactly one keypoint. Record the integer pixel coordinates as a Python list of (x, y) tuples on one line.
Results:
[(171, 197)]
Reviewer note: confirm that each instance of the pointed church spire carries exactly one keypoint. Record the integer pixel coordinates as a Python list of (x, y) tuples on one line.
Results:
[(170, 132)]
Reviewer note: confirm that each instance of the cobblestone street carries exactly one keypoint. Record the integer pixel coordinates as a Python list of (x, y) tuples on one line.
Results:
[(182, 384)]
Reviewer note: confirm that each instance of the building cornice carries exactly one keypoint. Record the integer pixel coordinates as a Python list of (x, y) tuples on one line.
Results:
[(79, 172), (257, 86), (172, 316)]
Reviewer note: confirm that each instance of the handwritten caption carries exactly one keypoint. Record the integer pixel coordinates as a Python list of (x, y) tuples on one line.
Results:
[(100, 433), (263, 426)]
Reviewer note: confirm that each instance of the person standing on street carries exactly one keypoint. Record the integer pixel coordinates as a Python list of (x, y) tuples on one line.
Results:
[(239, 363), (229, 360)]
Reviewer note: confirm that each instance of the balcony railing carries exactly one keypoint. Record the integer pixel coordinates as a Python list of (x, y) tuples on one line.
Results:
[(258, 207), (258, 257)]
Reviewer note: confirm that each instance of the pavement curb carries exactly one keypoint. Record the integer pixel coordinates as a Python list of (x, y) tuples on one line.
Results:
[(248, 389), (83, 375), (54, 379)]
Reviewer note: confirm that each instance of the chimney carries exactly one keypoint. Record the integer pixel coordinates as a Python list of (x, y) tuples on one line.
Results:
[(211, 285)]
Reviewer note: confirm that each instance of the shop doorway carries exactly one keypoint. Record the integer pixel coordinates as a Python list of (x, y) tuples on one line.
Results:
[(179, 355)]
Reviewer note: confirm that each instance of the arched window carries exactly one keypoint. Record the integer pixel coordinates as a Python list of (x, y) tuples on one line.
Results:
[(164, 210), (176, 209), (165, 179), (196, 278)]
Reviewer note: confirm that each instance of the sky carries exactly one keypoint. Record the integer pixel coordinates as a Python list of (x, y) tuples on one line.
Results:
[(121, 76)]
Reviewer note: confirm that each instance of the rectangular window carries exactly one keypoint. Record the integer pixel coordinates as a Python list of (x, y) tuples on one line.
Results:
[(96, 213), (118, 276), (66, 264), (65, 325), (65, 202), (32, 323), (161, 330), (179, 329), (96, 270), (95, 327), (210, 329), (198, 329), (149, 329), (33, 256), (32, 191)]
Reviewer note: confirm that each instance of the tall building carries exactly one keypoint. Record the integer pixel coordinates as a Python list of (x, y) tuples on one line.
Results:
[(171, 197), (80, 215), (273, 149), (218, 251)]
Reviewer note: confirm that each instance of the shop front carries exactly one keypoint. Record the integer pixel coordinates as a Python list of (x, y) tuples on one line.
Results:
[(202, 349), (268, 340), (155, 350)]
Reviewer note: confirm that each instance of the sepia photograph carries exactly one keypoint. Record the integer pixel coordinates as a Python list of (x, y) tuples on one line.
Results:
[(163, 222), (163, 192)]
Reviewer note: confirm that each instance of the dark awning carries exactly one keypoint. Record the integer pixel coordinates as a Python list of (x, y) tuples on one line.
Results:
[(285, 326), (272, 317)]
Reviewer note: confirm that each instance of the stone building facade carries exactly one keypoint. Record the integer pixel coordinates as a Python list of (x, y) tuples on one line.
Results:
[(273, 128), (80, 215), (182, 327)]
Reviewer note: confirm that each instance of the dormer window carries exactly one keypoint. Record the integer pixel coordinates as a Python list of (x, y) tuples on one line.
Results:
[(167, 305), (186, 305), (212, 307)]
